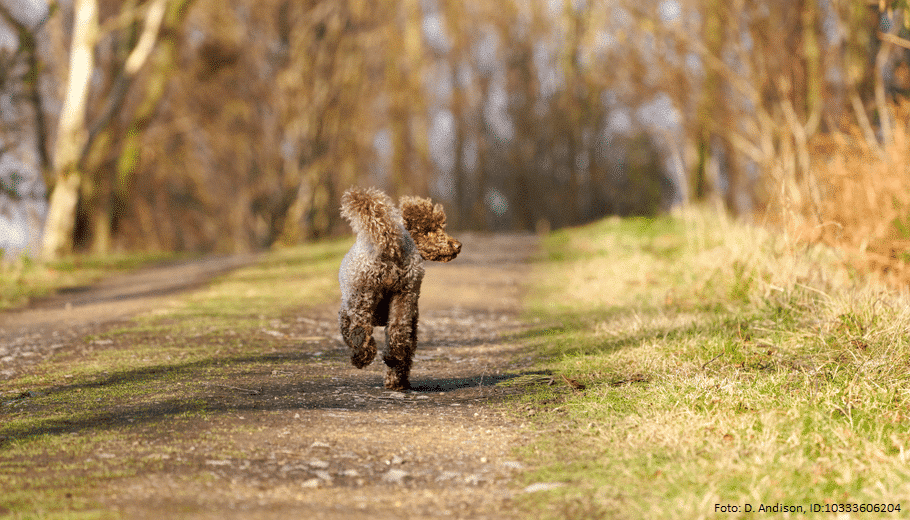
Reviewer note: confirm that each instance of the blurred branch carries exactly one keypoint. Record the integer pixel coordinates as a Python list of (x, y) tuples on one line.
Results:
[(147, 39), (28, 45), (739, 142), (137, 57), (8, 16), (742, 85), (864, 123), (12, 20), (801, 140), (884, 115), (894, 39)]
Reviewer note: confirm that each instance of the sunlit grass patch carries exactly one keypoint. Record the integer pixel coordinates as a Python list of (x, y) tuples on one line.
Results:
[(286, 278), (23, 279), (696, 361)]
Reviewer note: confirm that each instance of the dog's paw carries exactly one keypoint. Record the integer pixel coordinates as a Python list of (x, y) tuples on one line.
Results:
[(364, 355), (394, 381), (361, 359), (355, 337)]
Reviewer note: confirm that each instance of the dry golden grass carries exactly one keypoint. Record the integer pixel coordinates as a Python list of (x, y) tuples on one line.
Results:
[(862, 200), (717, 364)]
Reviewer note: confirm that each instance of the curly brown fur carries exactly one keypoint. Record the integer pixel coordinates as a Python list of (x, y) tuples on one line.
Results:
[(373, 213), (381, 275), (426, 223)]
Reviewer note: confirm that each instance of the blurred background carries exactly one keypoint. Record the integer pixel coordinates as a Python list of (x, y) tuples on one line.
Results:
[(235, 125)]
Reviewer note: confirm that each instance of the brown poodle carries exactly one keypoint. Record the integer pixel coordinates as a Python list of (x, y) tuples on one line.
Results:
[(381, 274)]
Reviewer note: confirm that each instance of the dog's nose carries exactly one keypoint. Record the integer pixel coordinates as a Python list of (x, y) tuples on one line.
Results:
[(457, 246)]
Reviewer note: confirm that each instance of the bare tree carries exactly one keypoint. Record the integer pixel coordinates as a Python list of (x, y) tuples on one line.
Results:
[(76, 136), (72, 134)]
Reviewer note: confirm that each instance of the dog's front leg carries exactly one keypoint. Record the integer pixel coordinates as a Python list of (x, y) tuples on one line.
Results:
[(357, 332)]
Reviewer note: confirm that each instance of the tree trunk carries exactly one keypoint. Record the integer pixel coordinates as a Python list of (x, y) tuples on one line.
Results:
[(71, 133), (61, 216)]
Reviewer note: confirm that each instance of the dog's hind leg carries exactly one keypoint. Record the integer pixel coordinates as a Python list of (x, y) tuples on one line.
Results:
[(401, 334)]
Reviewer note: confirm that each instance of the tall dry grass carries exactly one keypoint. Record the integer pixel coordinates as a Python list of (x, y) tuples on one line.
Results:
[(721, 363), (861, 199)]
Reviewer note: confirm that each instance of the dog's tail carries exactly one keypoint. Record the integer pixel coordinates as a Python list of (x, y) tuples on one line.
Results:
[(373, 214)]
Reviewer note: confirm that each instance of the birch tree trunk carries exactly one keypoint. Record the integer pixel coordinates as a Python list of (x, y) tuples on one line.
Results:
[(71, 133)]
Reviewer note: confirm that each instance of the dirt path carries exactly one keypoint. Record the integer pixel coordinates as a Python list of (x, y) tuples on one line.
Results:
[(316, 438), (31, 334)]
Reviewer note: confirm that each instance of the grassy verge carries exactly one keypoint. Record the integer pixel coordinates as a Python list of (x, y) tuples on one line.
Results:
[(142, 398), (23, 279), (720, 366)]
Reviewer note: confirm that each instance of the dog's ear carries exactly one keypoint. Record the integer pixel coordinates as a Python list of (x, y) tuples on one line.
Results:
[(421, 216)]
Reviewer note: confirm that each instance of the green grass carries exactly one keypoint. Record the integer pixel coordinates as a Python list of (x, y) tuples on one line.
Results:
[(23, 279), (721, 365), (123, 400)]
